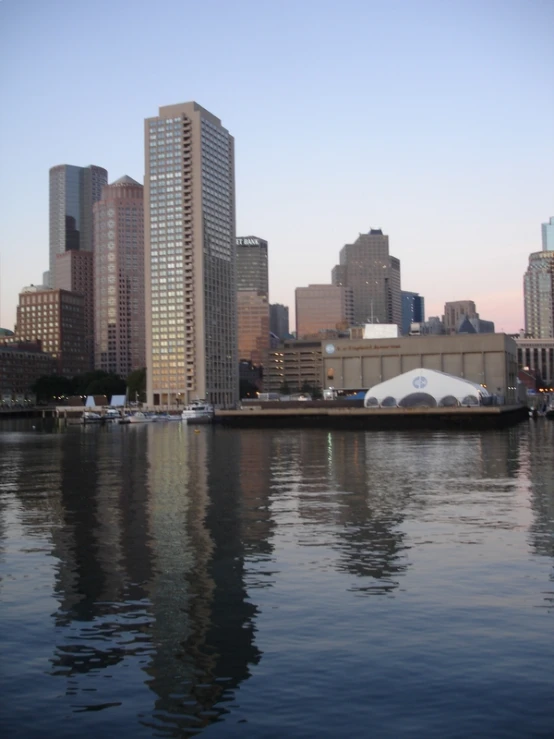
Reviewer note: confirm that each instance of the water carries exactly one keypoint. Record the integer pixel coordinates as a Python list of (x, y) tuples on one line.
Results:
[(158, 581)]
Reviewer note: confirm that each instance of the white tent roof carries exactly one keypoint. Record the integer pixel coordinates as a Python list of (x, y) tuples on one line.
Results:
[(437, 384)]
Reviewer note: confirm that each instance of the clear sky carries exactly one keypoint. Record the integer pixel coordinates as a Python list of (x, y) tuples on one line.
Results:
[(430, 119)]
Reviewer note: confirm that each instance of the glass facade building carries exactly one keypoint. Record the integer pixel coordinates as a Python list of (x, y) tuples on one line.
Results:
[(73, 192), (548, 235), (190, 258), (413, 310)]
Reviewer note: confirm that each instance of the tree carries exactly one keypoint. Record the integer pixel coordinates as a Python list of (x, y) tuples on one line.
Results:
[(136, 385), (48, 387), (285, 388), (247, 388)]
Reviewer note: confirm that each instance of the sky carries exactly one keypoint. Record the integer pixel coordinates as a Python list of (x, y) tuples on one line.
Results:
[(430, 119)]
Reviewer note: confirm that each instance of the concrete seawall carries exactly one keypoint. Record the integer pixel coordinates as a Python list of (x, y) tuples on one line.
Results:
[(375, 419)]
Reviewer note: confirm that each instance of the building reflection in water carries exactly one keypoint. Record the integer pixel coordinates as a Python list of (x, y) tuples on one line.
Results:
[(538, 448), (156, 526)]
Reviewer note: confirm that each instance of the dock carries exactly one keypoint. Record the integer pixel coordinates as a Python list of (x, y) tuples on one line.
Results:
[(377, 419)]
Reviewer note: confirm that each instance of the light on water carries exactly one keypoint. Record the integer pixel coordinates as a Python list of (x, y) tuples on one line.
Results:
[(259, 583)]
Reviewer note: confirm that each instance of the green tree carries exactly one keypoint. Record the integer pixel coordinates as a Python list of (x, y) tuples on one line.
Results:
[(285, 388), (136, 385), (49, 387)]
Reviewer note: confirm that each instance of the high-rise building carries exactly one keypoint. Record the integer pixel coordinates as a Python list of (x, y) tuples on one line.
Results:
[(538, 290), (374, 276), (279, 320), (73, 192), (548, 235), (252, 299), (190, 256), (413, 310), (74, 273), (252, 269), (119, 278), (323, 307), (56, 318)]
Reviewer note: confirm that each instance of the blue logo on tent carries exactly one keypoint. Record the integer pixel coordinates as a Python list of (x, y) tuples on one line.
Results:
[(419, 382)]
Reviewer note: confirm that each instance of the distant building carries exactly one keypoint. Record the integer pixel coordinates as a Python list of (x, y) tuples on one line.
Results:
[(548, 235), (252, 299), (374, 277), (120, 334), (252, 326), (538, 290), (73, 192), (56, 318), (323, 307), (536, 356), (21, 364), (279, 320), (413, 310), (74, 273), (433, 326), (461, 317), (252, 264)]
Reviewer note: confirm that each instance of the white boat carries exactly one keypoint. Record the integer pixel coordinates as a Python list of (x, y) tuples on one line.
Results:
[(140, 417), (91, 417), (112, 414), (198, 412)]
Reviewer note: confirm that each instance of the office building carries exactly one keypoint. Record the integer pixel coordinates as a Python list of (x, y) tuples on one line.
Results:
[(457, 311), (190, 255), (279, 320), (74, 273), (538, 290), (73, 192), (252, 264), (374, 277), (252, 299), (548, 235), (413, 310), (120, 342), (357, 364), (56, 318), (323, 307)]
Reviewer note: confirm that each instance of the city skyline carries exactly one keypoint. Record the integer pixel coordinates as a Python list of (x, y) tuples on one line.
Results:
[(431, 169)]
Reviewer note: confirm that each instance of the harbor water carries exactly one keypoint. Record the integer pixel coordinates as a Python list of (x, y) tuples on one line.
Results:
[(161, 580)]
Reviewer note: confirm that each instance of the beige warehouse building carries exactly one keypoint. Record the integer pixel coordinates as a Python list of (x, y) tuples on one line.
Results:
[(487, 359)]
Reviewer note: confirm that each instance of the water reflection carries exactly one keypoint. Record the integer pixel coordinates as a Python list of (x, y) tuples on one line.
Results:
[(165, 544)]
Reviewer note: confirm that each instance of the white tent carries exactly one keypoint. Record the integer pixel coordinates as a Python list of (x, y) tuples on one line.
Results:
[(424, 388)]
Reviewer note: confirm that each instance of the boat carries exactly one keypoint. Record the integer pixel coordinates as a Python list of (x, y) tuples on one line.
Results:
[(198, 412), (112, 414), (169, 417), (140, 417), (91, 417)]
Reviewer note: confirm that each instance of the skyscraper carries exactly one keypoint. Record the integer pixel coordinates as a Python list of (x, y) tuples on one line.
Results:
[(538, 290), (252, 269), (252, 299), (190, 257), (119, 278), (413, 310), (374, 276), (73, 192), (456, 311), (548, 235)]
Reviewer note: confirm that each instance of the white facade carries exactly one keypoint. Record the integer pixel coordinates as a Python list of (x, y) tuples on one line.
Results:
[(191, 332), (380, 331)]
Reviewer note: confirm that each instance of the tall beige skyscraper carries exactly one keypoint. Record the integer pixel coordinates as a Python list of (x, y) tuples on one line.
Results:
[(119, 278), (322, 308), (374, 276), (191, 324)]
